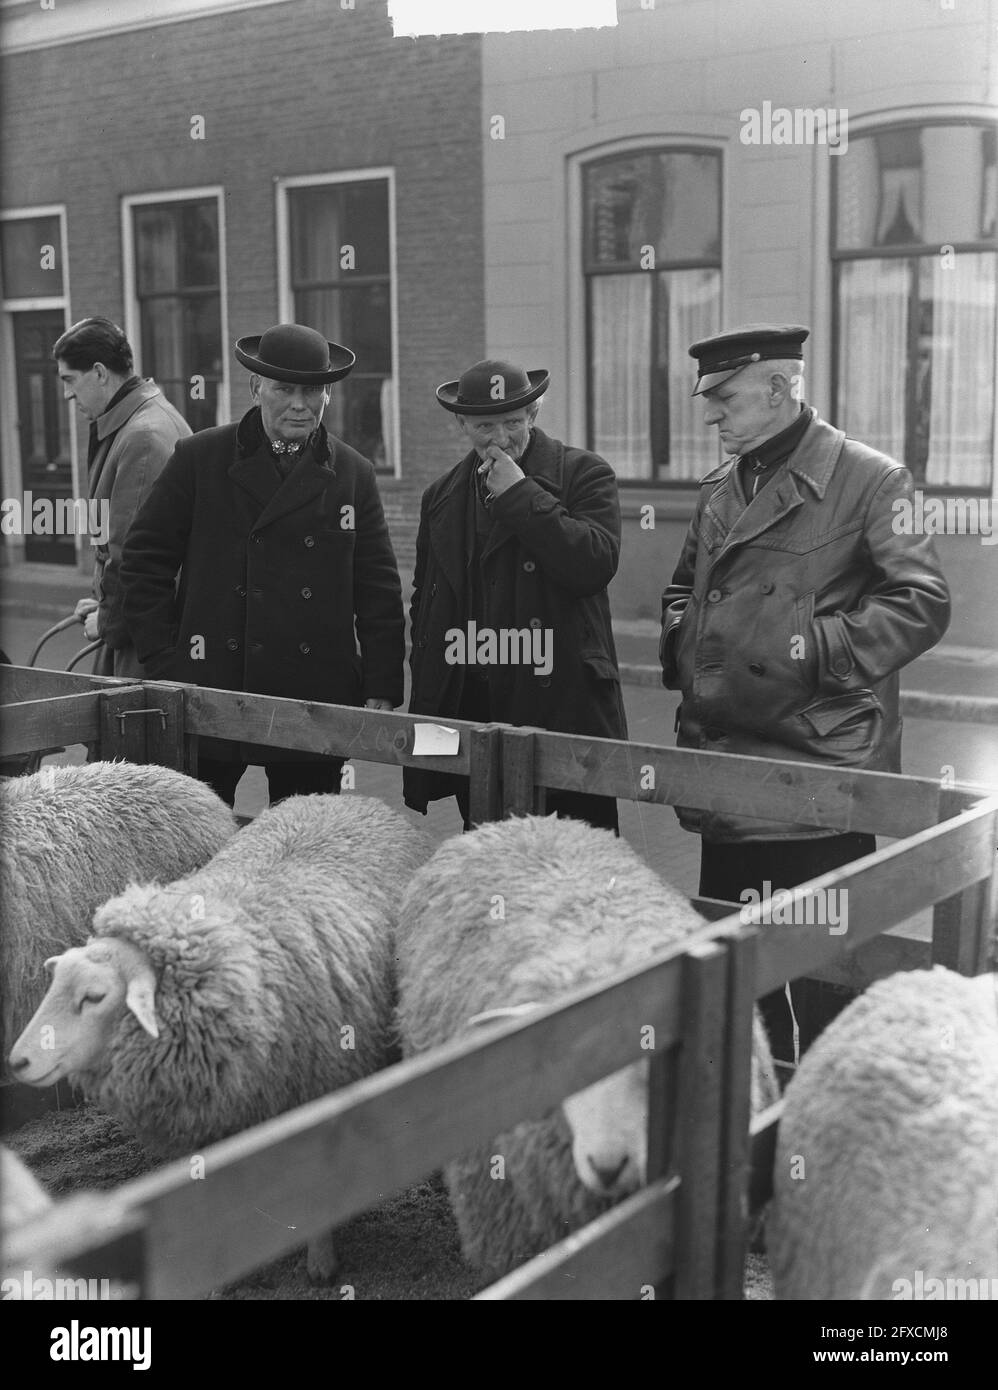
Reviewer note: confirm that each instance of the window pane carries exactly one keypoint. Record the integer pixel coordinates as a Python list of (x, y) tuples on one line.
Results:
[(156, 249), (358, 318), (929, 185), (199, 245), (24, 245), (689, 308), (957, 409), (620, 371), (337, 223), (667, 201), (873, 352)]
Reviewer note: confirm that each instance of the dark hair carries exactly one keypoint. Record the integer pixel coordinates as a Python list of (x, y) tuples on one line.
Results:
[(94, 340)]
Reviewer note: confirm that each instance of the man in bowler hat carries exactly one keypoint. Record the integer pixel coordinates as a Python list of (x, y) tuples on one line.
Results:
[(795, 603), (510, 615), (277, 533)]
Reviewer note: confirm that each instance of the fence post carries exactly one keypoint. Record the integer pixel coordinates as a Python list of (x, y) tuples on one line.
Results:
[(736, 1106), (700, 1118), (518, 788), (123, 724), (165, 740), (962, 925), (485, 791)]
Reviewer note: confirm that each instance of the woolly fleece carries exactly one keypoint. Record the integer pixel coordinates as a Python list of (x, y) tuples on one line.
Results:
[(262, 958), (894, 1112), (578, 905), (71, 838)]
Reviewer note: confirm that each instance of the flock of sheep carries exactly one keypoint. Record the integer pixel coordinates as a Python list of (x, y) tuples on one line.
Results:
[(193, 981)]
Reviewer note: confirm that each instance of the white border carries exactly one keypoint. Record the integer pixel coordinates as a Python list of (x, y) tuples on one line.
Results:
[(10, 444), (285, 298), (132, 326)]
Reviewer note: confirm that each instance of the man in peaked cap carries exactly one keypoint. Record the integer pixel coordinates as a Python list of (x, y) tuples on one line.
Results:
[(277, 533), (510, 614), (794, 605)]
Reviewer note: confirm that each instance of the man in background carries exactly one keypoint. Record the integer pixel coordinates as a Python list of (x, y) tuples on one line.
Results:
[(133, 429)]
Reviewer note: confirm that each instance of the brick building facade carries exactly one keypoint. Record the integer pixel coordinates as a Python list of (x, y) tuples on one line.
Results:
[(201, 179)]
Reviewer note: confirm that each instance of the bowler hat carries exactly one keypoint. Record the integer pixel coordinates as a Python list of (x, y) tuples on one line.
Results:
[(719, 357), (492, 387), (292, 352)]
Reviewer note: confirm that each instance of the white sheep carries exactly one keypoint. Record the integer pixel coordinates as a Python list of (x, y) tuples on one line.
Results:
[(886, 1174), (72, 837), (520, 913), (260, 982)]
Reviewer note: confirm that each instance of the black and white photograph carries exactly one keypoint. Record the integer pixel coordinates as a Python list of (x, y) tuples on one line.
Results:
[(499, 722)]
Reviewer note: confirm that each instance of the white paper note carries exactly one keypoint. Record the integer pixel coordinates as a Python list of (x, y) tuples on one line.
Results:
[(435, 740)]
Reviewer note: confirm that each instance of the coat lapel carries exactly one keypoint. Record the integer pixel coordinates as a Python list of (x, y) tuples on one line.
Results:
[(256, 474)]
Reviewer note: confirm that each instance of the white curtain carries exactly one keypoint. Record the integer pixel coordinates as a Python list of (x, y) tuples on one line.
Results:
[(962, 402), (873, 352), (694, 298), (621, 359)]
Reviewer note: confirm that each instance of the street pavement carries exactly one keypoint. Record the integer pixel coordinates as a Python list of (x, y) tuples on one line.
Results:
[(966, 752)]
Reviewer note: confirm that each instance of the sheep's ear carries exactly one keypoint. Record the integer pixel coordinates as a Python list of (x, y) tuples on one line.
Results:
[(140, 999), (501, 1015), (52, 962)]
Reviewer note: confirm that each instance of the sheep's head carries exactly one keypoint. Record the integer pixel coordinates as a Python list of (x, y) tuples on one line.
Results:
[(608, 1121), (92, 987)]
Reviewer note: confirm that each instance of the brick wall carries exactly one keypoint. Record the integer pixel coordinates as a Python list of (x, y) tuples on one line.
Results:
[(284, 90)]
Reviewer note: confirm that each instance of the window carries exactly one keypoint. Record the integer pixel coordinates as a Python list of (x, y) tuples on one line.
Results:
[(652, 267), (339, 280), (915, 256), (178, 297), (36, 435)]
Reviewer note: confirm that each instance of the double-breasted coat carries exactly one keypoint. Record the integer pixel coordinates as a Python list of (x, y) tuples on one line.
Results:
[(275, 577), (789, 617), (552, 550)]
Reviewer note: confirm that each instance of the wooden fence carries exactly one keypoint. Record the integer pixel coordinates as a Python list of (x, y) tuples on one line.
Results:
[(270, 1188)]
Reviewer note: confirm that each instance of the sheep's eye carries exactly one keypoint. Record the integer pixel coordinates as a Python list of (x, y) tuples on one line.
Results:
[(89, 999)]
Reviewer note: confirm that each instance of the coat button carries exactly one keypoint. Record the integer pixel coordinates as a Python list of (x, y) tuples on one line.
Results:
[(256, 647), (529, 566), (714, 596), (304, 648), (757, 668), (545, 681), (535, 622), (767, 587), (306, 593), (433, 590), (421, 642), (256, 537), (232, 644), (241, 590), (310, 541)]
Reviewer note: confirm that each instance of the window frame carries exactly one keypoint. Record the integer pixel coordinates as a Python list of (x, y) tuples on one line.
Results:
[(902, 120), (578, 299), (284, 185), (10, 443), (133, 326)]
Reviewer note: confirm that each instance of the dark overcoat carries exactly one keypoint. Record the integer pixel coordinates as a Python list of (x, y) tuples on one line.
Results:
[(273, 576), (552, 551), (789, 617)]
